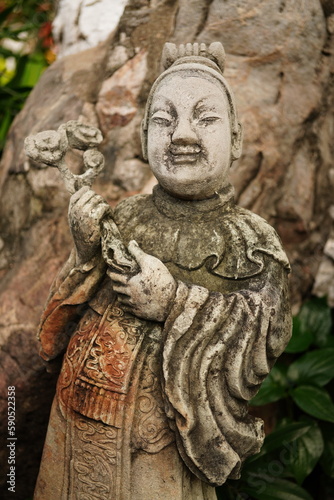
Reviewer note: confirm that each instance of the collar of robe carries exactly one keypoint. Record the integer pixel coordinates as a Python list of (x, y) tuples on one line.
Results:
[(231, 242), (175, 208)]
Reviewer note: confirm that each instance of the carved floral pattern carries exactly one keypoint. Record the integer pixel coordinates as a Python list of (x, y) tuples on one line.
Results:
[(114, 349), (76, 348), (97, 367), (94, 469), (151, 429)]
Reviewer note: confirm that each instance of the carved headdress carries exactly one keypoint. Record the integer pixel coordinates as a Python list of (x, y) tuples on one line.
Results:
[(194, 58)]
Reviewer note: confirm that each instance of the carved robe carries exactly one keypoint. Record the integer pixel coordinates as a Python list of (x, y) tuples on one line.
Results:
[(147, 410)]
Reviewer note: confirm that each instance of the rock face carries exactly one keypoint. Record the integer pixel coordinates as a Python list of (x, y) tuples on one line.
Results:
[(280, 66), (81, 24)]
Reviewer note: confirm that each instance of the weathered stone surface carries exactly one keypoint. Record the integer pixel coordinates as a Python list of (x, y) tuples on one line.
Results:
[(132, 174), (47, 244), (284, 97), (117, 100), (80, 24)]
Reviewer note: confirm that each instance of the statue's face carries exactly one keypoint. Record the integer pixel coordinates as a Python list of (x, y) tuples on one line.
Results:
[(189, 136)]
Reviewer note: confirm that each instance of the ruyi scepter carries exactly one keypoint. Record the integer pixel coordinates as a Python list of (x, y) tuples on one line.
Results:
[(49, 149)]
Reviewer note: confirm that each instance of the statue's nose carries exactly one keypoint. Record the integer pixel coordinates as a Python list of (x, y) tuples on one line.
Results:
[(184, 133)]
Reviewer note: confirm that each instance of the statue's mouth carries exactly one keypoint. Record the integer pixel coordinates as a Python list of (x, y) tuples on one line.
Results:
[(185, 154), (185, 158)]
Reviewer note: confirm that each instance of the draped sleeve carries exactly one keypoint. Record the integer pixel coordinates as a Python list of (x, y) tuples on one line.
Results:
[(70, 292), (218, 349)]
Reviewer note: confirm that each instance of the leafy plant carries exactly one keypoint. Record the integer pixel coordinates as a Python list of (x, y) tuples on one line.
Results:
[(302, 445), (25, 51)]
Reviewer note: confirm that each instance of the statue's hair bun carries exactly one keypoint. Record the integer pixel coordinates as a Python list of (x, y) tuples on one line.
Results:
[(193, 52)]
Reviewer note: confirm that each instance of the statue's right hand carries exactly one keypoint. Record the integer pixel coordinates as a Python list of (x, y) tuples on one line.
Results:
[(86, 210)]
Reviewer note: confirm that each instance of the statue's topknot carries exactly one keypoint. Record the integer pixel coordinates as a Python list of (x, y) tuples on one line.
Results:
[(212, 56)]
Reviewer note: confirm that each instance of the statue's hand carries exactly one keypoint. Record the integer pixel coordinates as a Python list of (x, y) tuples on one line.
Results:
[(86, 210), (150, 293)]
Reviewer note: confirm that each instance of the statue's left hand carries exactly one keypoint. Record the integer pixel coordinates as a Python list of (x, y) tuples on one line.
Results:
[(150, 293)]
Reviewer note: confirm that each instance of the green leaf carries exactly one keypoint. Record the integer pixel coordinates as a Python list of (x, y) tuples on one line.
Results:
[(315, 401), (327, 458), (6, 118), (305, 453), (313, 324), (229, 492), (28, 71), (277, 439), (293, 450), (273, 388), (302, 337), (316, 367), (320, 316), (266, 487)]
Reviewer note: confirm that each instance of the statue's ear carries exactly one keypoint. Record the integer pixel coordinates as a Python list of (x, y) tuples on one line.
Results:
[(143, 137), (237, 142)]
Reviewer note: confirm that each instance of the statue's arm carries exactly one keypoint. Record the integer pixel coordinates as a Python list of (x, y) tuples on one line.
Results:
[(218, 349), (97, 248), (80, 277)]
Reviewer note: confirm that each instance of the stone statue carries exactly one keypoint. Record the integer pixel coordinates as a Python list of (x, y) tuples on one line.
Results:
[(171, 309)]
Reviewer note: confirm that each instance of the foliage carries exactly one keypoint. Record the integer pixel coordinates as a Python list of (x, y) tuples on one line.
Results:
[(25, 51), (297, 459)]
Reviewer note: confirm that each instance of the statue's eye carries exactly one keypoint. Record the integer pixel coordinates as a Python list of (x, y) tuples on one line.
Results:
[(161, 121), (162, 118), (208, 119)]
